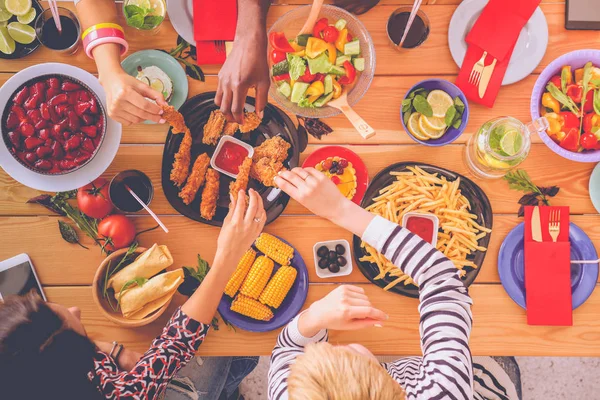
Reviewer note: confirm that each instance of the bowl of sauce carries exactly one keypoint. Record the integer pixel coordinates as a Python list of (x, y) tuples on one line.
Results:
[(424, 225), (417, 34), (138, 182), (229, 155)]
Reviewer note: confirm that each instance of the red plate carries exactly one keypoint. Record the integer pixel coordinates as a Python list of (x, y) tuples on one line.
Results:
[(362, 175)]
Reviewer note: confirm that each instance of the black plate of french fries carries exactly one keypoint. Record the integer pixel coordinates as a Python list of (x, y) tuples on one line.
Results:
[(464, 211), (196, 112)]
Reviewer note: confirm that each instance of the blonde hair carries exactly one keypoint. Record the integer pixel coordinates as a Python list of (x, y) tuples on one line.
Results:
[(326, 372)]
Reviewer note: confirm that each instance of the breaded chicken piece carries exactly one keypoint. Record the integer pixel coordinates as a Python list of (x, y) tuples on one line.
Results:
[(196, 179), (210, 195), (275, 148), (174, 118), (214, 128), (181, 165), (251, 122), (265, 170), (241, 183), (231, 128)]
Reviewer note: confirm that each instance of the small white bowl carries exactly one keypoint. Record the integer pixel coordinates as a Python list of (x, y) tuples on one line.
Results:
[(223, 140), (433, 218), (330, 244)]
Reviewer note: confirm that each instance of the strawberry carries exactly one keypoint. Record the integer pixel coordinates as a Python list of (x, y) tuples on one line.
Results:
[(54, 117), (94, 107), (15, 139), (53, 83), (34, 115), (82, 107), (70, 86), (44, 165), (84, 95), (45, 111), (32, 101), (41, 124), (61, 110), (57, 151), (27, 129), (30, 158), (72, 143), (20, 113), (66, 165), (73, 97), (100, 125), (44, 134), (88, 145), (38, 88), (33, 142), (50, 93), (21, 96), (12, 121), (43, 151), (58, 99), (82, 159), (87, 119), (90, 131), (73, 121)]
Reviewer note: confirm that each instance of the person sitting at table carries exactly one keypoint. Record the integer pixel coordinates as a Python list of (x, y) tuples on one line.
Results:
[(305, 367), (45, 352)]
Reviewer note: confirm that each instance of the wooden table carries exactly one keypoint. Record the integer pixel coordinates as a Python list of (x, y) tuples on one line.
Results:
[(500, 326)]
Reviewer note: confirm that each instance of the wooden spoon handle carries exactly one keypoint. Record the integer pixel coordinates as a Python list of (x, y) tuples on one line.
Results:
[(360, 124), (312, 17)]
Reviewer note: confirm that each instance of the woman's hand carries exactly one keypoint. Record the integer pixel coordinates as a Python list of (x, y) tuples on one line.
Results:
[(241, 227), (127, 99), (345, 308)]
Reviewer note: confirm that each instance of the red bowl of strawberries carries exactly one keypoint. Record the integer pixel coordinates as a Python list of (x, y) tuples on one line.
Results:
[(53, 124)]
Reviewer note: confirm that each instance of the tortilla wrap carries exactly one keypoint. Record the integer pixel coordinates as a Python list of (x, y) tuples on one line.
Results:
[(135, 298), (146, 265), (152, 306)]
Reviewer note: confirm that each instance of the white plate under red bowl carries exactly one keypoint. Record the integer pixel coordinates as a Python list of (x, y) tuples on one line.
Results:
[(71, 180), (362, 175)]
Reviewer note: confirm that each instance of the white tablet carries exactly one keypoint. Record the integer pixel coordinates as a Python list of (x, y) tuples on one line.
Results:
[(17, 277)]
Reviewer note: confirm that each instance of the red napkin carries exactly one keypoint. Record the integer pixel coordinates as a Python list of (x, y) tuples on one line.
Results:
[(496, 31), (213, 20), (206, 54), (548, 272)]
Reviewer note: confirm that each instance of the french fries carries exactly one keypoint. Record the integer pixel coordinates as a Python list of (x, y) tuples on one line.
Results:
[(419, 191)]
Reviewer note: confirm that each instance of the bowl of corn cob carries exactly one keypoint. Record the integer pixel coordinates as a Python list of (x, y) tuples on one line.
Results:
[(268, 288)]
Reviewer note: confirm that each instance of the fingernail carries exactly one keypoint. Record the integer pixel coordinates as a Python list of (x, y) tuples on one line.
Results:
[(280, 172), (161, 112), (378, 326), (162, 120)]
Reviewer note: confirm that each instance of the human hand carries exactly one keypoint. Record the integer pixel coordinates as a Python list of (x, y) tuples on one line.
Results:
[(246, 67), (127, 99), (241, 227), (345, 308)]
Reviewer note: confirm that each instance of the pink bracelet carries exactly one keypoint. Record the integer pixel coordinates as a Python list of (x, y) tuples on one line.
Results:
[(104, 40), (101, 33)]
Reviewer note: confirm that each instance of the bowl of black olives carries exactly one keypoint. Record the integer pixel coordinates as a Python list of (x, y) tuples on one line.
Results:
[(333, 258)]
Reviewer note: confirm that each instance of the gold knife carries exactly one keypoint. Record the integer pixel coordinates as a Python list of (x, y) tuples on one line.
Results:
[(536, 226), (486, 75)]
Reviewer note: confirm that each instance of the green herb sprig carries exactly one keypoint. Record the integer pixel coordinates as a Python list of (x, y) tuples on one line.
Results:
[(69, 234), (139, 17), (110, 272), (562, 98), (182, 53), (519, 180)]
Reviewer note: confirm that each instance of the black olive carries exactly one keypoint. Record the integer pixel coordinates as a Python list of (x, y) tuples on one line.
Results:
[(335, 163), (323, 263), (334, 268), (342, 261), (323, 251), (333, 170), (340, 249), (332, 256)]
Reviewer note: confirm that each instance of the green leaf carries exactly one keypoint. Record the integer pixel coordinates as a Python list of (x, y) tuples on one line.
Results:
[(68, 233), (587, 76), (450, 114), (133, 10), (136, 21), (200, 271), (135, 281), (457, 123), (459, 105), (152, 21), (406, 117), (595, 82), (406, 105), (422, 106), (562, 98), (564, 75)]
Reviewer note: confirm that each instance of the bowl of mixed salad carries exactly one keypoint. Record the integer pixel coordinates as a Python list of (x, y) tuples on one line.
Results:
[(310, 70), (567, 94)]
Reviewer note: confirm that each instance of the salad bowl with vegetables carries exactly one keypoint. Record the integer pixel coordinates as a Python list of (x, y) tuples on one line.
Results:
[(310, 70), (567, 94)]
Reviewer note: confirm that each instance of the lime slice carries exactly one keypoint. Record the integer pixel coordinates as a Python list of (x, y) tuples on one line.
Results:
[(27, 18), (157, 7), (435, 123), (511, 142), (145, 4), (427, 131), (7, 44), (5, 15), (157, 85), (18, 7), (23, 34), (440, 102), (413, 126)]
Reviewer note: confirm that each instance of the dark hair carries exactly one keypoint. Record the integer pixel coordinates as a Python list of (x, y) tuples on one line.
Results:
[(40, 358)]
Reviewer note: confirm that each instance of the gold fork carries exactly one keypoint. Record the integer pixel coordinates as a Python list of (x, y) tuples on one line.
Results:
[(220, 46), (475, 76), (554, 224)]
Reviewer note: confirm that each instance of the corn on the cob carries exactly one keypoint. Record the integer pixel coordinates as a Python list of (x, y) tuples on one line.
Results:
[(258, 277), (279, 286), (275, 249), (251, 308), (236, 280)]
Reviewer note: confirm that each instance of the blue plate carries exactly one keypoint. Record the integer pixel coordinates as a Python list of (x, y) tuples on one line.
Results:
[(290, 307), (168, 64), (511, 265)]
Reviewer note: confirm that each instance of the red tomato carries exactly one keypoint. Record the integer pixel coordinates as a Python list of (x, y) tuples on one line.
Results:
[(320, 77), (589, 141), (556, 80), (570, 120), (575, 92), (349, 37), (307, 77), (571, 141), (277, 56), (589, 102), (330, 34), (320, 27), (589, 121), (117, 230), (282, 77), (93, 199), (279, 42), (350, 74)]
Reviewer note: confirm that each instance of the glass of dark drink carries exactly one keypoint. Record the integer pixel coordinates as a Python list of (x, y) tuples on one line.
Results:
[(138, 182), (417, 34), (66, 41)]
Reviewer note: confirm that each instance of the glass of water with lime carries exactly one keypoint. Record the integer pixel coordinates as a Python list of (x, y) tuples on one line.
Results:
[(500, 145), (145, 15)]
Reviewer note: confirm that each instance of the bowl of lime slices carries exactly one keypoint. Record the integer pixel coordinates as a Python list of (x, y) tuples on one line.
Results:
[(17, 34)]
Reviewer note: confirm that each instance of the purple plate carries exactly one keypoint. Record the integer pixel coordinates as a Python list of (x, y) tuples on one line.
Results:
[(511, 265), (452, 134), (575, 59), (290, 307)]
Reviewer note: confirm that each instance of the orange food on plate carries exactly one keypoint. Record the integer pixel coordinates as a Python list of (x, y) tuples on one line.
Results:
[(275, 148), (214, 127), (251, 122), (210, 195), (241, 183), (175, 119), (342, 173), (181, 165), (196, 179), (265, 170), (231, 128)]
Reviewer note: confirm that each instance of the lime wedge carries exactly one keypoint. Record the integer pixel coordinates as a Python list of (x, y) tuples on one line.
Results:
[(27, 18), (145, 4), (5, 15), (511, 142), (7, 44), (23, 34), (157, 85), (18, 7), (158, 7)]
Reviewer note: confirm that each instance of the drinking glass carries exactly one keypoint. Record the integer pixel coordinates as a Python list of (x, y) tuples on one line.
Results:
[(417, 34), (70, 35), (146, 16)]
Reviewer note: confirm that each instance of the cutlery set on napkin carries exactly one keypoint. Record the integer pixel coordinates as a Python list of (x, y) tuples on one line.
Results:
[(214, 29)]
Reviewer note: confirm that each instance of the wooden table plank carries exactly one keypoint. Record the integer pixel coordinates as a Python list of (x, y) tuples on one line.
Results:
[(500, 327), (545, 168), (39, 237)]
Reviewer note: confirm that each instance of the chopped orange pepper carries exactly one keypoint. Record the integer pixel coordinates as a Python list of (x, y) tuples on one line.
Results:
[(550, 102), (315, 46), (342, 40), (332, 52), (337, 89)]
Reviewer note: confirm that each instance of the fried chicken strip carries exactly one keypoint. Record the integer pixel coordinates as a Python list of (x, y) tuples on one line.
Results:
[(214, 128), (174, 118), (196, 179), (265, 170), (210, 195), (275, 148), (241, 183), (251, 122), (231, 128), (181, 165)]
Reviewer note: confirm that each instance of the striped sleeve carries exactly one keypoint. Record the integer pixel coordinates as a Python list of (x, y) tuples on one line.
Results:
[(445, 371), (290, 344)]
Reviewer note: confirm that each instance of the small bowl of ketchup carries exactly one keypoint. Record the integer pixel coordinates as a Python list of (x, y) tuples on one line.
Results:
[(424, 225), (229, 155)]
